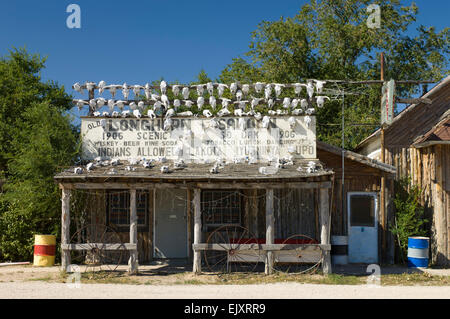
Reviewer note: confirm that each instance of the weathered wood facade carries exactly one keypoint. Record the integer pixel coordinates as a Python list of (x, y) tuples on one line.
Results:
[(417, 145), (293, 197), (299, 203), (359, 174)]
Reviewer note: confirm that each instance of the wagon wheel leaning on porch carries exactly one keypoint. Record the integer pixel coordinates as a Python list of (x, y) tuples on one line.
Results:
[(234, 249), (93, 251), (298, 261)]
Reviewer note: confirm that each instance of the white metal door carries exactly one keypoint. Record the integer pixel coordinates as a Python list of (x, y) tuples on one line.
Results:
[(362, 210), (170, 220)]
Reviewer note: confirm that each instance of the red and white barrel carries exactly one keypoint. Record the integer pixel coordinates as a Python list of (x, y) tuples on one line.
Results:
[(44, 250)]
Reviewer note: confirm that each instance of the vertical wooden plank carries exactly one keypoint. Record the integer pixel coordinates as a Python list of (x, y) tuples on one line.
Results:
[(133, 261), (151, 223), (65, 227), (437, 208), (280, 218), (404, 163), (446, 163), (270, 236), (346, 189), (338, 202), (411, 163), (416, 166), (189, 222), (448, 225), (284, 201), (423, 177), (395, 152), (325, 228), (446, 178), (254, 209), (440, 201), (383, 210), (298, 210), (447, 208), (262, 213), (383, 215), (390, 210), (383, 196), (246, 216), (419, 166), (335, 218), (412, 153), (197, 264), (311, 214)]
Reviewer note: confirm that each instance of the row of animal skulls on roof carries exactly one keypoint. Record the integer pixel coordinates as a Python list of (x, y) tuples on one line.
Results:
[(287, 103), (236, 89), (162, 104)]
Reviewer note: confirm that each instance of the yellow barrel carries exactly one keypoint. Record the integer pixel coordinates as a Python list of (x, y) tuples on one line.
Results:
[(44, 250)]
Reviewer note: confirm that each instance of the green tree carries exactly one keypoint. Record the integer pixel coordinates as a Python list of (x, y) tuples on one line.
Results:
[(330, 39), (37, 141), (20, 86), (409, 215), (202, 78)]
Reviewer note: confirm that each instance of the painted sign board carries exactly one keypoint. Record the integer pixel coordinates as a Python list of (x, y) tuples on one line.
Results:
[(387, 102), (198, 139)]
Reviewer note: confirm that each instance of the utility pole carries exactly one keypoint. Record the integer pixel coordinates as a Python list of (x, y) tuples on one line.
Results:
[(91, 97)]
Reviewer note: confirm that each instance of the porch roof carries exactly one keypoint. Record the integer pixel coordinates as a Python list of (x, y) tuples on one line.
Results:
[(229, 173)]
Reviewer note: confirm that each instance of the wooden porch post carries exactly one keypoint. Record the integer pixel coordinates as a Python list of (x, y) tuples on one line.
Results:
[(133, 261), (270, 228), (325, 228), (197, 264), (65, 227)]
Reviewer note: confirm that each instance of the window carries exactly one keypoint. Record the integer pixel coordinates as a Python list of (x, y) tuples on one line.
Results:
[(362, 210), (221, 207), (118, 209)]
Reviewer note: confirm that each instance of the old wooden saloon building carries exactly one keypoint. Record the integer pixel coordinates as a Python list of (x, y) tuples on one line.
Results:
[(223, 190), (417, 145)]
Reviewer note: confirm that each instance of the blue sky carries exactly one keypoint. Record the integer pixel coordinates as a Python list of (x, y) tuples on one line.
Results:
[(145, 40)]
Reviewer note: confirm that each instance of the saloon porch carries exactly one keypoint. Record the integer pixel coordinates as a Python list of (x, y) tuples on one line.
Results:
[(237, 218)]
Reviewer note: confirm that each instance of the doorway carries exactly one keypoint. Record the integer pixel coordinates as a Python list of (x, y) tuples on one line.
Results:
[(170, 224), (362, 227)]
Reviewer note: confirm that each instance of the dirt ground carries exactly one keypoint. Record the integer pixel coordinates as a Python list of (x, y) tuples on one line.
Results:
[(177, 273), (171, 281), (157, 274), (287, 290)]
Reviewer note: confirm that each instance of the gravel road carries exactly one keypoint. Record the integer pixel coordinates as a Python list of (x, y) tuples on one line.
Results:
[(45, 290)]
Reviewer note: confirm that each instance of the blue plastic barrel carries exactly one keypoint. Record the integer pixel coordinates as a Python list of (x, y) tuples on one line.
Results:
[(418, 252)]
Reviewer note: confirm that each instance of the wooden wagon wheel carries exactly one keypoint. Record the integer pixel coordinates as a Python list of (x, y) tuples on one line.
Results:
[(95, 256), (229, 255), (297, 261)]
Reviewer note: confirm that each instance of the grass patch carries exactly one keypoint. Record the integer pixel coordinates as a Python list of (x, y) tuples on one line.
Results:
[(193, 282), (422, 279), (335, 279), (101, 277), (253, 279), (46, 279), (108, 278), (187, 278)]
